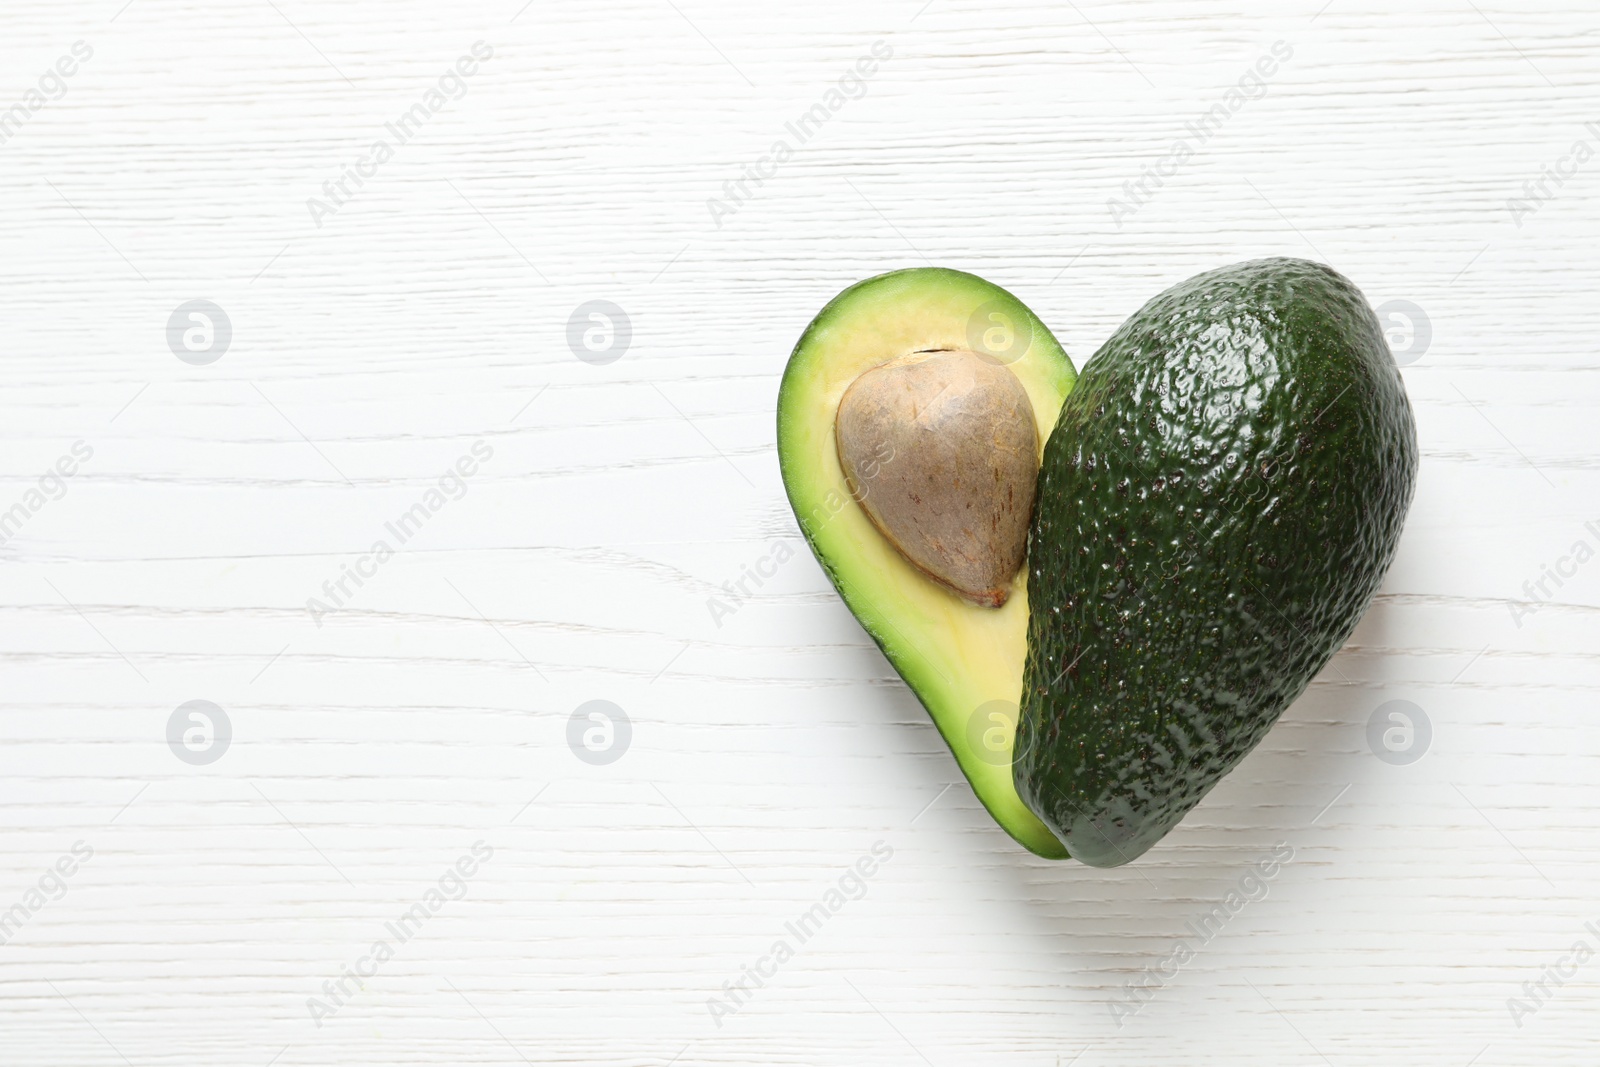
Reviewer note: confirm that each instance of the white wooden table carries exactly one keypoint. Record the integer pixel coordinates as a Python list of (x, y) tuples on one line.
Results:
[(219, 903)]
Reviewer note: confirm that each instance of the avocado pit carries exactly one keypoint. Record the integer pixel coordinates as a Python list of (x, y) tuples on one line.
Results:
[(941, 450)]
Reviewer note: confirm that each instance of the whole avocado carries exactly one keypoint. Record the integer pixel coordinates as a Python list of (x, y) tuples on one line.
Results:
[(1218, 503)]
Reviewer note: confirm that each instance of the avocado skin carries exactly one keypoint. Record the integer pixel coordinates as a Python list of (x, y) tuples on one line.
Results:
[(1221, 496)]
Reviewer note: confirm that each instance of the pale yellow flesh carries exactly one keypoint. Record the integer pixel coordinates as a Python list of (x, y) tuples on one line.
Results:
[(957, 656)]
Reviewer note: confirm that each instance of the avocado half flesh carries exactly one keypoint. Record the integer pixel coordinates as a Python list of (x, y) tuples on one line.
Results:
[(962, 660), (1217, 503)]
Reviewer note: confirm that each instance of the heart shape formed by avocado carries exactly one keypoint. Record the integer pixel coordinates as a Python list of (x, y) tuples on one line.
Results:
[(1218, 500)]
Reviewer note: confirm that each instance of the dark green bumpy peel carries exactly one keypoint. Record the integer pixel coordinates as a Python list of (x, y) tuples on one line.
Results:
[(1219, 501)]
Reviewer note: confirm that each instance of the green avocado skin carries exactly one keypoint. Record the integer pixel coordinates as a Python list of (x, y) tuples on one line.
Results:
[(1219, 501)]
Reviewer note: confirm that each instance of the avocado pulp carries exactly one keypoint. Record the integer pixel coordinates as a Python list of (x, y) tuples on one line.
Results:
[(962, 660), (1217, 501)]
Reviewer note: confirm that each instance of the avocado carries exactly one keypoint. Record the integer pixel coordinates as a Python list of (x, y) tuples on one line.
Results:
[(1101, 631), (962, 658), (1218, 502)]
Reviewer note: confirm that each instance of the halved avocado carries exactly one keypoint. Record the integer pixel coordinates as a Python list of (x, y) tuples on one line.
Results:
[(963, 660), (1217, 502)]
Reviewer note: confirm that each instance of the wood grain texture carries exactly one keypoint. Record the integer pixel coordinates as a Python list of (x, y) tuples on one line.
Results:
[(768, 753)]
